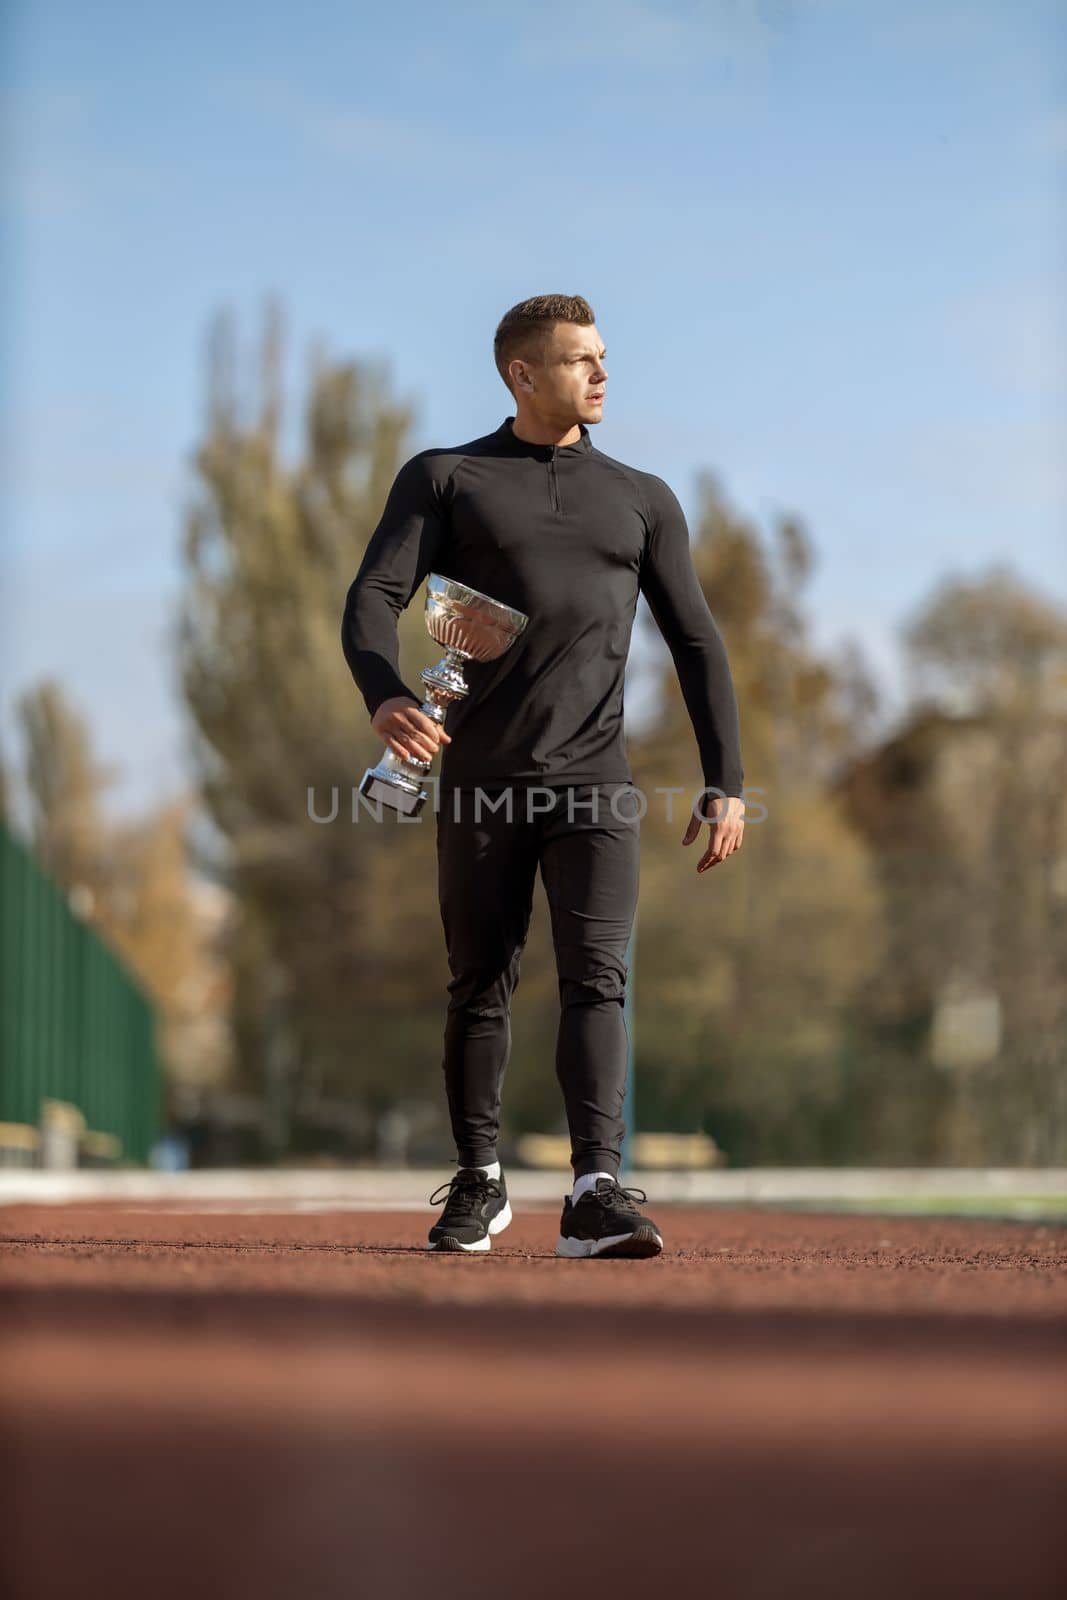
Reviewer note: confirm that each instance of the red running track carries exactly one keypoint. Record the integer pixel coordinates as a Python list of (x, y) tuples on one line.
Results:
[(298, 1407)]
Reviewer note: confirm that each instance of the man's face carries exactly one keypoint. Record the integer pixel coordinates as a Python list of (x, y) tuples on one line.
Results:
[(568, 385)]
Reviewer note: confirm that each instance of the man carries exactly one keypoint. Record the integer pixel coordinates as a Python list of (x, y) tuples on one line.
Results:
[(534, 773)]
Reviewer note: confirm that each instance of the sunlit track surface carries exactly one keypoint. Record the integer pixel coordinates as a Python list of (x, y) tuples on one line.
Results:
[(295, 1404)]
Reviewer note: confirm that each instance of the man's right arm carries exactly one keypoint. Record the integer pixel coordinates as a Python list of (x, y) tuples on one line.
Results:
[(403, 548)]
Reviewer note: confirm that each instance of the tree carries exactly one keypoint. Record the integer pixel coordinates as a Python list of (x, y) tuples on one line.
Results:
[(989, 835), (65, 786), (131, 881), (747, 979), (336, 948), (170, 928)]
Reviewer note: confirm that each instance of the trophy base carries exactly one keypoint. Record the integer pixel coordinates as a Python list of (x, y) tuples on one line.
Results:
[(406, 798)]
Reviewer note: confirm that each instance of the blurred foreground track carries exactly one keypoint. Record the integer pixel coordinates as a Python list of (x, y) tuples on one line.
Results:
[(274, 1406)]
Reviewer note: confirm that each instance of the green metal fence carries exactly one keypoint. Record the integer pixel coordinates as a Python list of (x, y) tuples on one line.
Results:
[(74, 1023)]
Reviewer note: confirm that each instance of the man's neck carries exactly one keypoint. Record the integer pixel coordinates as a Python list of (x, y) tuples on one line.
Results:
[(533, 432)]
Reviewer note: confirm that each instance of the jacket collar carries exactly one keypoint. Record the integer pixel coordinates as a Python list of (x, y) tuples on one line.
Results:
[(524, 447)]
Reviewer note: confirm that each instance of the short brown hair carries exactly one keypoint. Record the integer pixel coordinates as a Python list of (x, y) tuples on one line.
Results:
[(525, 330)]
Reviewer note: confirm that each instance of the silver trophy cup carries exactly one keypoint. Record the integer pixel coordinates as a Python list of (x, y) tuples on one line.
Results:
[(472, 628)]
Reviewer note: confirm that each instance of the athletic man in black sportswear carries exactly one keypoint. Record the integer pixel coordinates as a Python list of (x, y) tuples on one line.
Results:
[(534, 773)]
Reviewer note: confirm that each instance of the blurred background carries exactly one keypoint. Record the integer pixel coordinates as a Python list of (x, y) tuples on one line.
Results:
[(251, 266)]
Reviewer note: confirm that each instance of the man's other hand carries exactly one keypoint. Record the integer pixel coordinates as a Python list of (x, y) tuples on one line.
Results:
[(407, 730), (726, 820)]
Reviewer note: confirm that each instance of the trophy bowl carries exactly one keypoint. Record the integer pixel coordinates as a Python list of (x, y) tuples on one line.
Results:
[(472, 627)]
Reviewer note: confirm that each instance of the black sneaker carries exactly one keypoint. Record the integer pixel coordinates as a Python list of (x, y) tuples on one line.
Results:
[(475, 1207), (605, 1222)]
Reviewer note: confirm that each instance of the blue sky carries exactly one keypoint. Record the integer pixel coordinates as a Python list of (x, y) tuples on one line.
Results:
[(825, 242)]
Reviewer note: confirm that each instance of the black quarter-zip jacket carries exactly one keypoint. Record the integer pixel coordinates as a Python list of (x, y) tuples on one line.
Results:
[(569, 536)]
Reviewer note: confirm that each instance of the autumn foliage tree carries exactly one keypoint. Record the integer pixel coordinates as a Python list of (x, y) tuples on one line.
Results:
[(131, 880), (336, 947)]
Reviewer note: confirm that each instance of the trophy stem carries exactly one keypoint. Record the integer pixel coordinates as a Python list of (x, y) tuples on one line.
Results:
[(444, 682)]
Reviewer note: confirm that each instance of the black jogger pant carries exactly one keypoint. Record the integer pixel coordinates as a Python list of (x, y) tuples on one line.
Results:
[(585, 839)]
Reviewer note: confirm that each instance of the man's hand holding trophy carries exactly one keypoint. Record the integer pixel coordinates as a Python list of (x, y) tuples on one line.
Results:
[(472, 627)]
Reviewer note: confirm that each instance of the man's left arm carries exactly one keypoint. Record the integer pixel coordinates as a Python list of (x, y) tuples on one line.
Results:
[(670, 585)]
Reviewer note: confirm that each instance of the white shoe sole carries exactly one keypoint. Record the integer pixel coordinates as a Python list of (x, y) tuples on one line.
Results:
[(498, 1224), (644, 1241)]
